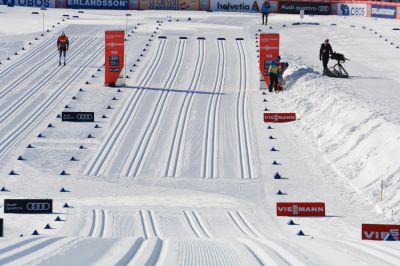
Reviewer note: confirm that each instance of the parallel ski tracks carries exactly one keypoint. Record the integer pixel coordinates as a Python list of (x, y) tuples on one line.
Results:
[(197, 225), (209, 164), (99, 162), (245, 162), (175, 150), (28, 94), (99, 223), (137, 155), (34, 68), (149, 225), (50, 101)]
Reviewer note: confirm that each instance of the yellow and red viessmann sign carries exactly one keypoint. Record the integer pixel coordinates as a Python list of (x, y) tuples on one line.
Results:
[(269, 50), (114, 56), (279, 117)]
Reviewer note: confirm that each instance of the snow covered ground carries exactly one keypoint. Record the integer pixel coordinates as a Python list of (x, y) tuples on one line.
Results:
[(179, 168)]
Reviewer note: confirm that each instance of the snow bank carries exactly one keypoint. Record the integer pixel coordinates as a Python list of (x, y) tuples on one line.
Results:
[(360, 140)]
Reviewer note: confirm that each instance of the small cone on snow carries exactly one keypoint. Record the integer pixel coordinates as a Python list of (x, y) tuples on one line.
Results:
[(138, 60), (50, 125), (279, 192), (87, 82), (266, 109), (21, 235), (23, 48), (66, 205), (93, 76), (104, 116), (144, 49), (15, 53), (8, 58), (58, 219), (389, 237), (40, 135), (98, 70), (270, 27), (90, 136), (64, 190), (81, 147), (12, 173), (300, 233), (73, 159), (119, 90), (134, 65), (20, 158), (263, 93), (273, 149), (35, 233), (67, 106), (275, 163), (97, 126), (147, 44), (29, 146), (141, 54), (271, 137), (74, 98), (63, 172), (109, 107), (30, 43), (3, 189), (291, 222), (269, 127), (130, 70), (277, 176), (48, 226), (114, 98), (265, 100), (128, 77), (58, 116)]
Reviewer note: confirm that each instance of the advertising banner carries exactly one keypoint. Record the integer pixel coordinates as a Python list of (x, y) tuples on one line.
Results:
[(241, 5), (346, 9), (383, 11), (312, 209), (29, 3), (279, 117), (269, 50), (61, 3), (380, 231), (310, 8), (133, 4), (28, 206), (170, 4), (99, 4), (1, 227), (114, 56), (77, 116)]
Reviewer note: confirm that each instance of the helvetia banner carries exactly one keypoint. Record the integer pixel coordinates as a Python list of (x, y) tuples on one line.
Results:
[(312, 209), (380, 231), (241, 5), (114, 56), (279, 117), (383, 11), (347, 9), (99, 4), (170, 4), (29, 3), (309, 8), (269, 50), (28, 206)]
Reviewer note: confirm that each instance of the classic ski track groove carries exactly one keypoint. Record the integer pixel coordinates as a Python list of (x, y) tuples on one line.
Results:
[(150, 228), (196, 224), (209, 165), (244, 153), (27, 95), (133, 165), (202, 225), (24, 76), (176, 149), (44, 106), (131, 253), (125, 117), (98, 224), (27, 56)]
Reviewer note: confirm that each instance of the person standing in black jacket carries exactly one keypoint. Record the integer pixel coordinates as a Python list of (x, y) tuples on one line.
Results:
[(324, 52)]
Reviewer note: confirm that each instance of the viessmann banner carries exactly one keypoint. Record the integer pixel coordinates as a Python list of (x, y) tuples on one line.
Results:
[(279, 117), (99, 4), (241, 5), (29, 3), (170, 4), (309, 8), (380, 231), (300, 209)]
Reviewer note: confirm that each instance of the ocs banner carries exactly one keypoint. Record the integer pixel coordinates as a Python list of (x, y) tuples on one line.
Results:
[(241, 5), (345, 9), (29, 3), (170, 4), (99, 4), (309, 8), (382, 11)]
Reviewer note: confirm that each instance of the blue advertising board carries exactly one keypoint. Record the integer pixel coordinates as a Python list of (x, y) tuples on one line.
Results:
[(381, 11), (99, 4)]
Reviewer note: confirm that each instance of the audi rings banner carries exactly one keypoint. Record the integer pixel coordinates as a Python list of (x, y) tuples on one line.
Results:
[(77, 116), (28, 206), (309, 8)]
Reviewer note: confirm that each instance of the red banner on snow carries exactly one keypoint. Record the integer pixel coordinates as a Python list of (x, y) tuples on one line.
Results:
[(300, 209), (279, 117), (269, 50), (114, 56), (380, 231)]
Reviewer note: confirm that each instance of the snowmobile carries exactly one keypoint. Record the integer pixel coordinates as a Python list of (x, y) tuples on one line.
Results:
[(337, 71)]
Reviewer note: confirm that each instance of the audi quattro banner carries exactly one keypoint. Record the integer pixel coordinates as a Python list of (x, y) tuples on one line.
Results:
[(29, 3), (99, 4), (310, 8), (347, 9), (241, 5), (279, 117), (77, 116), (380, 231), (383, 11), (170, 4), (311, 209), (28, 206)]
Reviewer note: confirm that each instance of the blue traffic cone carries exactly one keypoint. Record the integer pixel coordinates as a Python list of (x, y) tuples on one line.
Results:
[(73, 159), (63, 173), (3, 189), (58, 219), (273, 149), (20, 158), (82, 147), (35, 233), (279, 192), (291, 222), (275, 163), (300, 233), (64, 190), (269, 127), (66, 205), (48, 226), (13, 173), (277, 176)]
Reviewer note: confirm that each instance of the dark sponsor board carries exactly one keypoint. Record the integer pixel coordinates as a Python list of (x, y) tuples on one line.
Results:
[(28, 206), (99, 4), (309, 8), (1, 227), (77, 116), (381, 11)]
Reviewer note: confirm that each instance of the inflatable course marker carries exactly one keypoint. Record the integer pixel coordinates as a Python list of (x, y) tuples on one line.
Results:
[(300, 233), (291, 222)]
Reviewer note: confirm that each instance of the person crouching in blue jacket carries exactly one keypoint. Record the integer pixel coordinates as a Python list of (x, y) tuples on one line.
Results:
[(265, 10)]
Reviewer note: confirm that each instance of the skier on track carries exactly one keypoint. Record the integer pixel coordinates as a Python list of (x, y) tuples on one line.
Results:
[(265, 10), (62, 46), (324, 52), (273, 73)]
